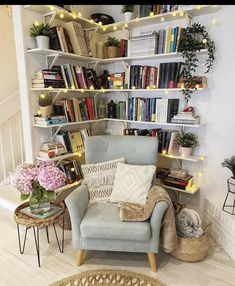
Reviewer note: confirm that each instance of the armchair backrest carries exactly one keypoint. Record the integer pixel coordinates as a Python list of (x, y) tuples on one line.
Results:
[(138, 150)]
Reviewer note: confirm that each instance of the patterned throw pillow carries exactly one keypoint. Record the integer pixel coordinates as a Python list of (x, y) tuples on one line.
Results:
[(132, 183), (99, 178)]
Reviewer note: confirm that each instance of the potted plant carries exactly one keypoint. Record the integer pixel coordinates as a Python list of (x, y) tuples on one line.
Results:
[(112, 47), (230, 164), (187, 142), (127, 10), (45, 104), (42, 32), (38, 184)]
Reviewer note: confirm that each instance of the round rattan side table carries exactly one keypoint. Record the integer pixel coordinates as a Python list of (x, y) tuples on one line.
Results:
[(38, 223)]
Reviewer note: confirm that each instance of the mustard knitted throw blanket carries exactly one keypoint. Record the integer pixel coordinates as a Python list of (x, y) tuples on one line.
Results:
[(138, 212)]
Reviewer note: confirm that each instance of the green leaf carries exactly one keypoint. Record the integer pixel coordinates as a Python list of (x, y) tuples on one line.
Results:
[(24, 197), (50, 194)]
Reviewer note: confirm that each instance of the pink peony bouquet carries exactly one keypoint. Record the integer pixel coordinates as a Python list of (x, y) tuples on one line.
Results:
[(40, 179)]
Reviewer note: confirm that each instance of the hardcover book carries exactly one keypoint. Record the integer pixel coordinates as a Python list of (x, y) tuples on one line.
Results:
[(54, 210)]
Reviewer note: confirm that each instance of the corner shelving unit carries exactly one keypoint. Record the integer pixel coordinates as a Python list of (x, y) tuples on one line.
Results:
[(51, 12)]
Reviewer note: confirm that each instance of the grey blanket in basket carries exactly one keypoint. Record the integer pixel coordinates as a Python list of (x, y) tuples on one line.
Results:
[(188, 223)]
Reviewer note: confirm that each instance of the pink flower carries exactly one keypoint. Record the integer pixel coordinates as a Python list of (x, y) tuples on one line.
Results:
[(51, 178), (25, 175)]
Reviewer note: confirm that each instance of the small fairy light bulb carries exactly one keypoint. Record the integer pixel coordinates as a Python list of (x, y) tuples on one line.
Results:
[(104, 28), (164, 152), (199, 174), (74, 16), (174, 13), (182, 85), (100, 23), (72, 169), (194, 186), (171, 155), (79, 14), (91, 87), (137, 19), (52, 8), (65, 90), (214, 21), (198, 7), (36, 23), (91, 21), (133, 87), (50, 87), (114, 28), (61, 15), (202, 158), (166, 91), (151, 14), (154, 86), (162, 19), (197, 86), (102, 90), (79, 154), (82, 90), (147, 87), (126, 25), (39, 113), (204, 41), (181, 13), (42, 95), (121, 87)]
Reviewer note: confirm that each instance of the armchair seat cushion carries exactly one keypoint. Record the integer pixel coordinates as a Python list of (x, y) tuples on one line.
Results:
[(103, 221)]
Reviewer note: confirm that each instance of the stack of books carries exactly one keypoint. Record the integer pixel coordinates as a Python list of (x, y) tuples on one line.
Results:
[(186, 117), (49, 120), (116, 80), (45, 78), (53, 211), (51, 150), (143, 45), (76, 109), (176, 182)]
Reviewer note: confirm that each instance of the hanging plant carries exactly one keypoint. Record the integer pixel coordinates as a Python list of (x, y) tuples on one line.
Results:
[(196, 38)]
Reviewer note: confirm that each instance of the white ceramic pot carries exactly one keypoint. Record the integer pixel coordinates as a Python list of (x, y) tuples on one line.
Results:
[(46, 110), (42, 42), (128, 16), (186, 151)]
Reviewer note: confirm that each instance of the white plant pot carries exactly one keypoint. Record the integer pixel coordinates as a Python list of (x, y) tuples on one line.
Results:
[(186, 151), (128, 16), (42, 42)]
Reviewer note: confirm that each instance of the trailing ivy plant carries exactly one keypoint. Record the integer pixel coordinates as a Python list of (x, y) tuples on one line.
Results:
[(196, 38)]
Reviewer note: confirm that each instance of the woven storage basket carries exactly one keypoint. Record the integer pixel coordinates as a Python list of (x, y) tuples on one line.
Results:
[(192, 249), (67, 221)]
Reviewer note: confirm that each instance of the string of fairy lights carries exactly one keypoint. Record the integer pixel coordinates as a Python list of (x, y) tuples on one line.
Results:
[(117, 26)]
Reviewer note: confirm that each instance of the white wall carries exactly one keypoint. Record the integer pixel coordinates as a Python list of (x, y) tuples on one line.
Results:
[(8, 72)]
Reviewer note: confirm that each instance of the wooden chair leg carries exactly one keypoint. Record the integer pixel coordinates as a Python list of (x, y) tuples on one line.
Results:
[(80, 256), (152, 261)]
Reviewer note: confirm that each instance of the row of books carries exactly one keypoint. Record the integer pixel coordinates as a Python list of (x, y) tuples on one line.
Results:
[(76, 109), (66, 76), (49, 120), (167, 142), (64, 142), (70, 37), (72, 169), (145, 10), (169, 74), (143, 76), (152, 109)]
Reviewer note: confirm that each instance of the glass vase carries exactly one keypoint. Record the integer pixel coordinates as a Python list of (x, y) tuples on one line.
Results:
[(39, 204)]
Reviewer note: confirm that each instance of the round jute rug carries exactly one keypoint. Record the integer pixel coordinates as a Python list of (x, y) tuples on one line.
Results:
[(108, 277)]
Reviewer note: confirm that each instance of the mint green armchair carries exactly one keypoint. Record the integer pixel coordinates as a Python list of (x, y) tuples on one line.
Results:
[(98, 226)]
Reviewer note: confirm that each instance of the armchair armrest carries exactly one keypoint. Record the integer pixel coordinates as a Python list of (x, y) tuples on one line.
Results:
[(77, 203), (155, 223)]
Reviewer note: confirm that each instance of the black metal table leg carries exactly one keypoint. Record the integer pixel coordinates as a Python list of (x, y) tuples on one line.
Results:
[(61, 247), (47, 232), (36, 238), (19, 240)]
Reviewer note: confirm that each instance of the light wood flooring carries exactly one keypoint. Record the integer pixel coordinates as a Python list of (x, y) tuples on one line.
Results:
[(22, 269)]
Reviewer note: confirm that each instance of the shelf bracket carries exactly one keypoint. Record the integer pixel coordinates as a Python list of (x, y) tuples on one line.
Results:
[(125, 94), (124, 64), (56, 132), (92, 34), (55, 58), (51, 16), (127, 31), (188, 18), (179, 162), (56, 96)]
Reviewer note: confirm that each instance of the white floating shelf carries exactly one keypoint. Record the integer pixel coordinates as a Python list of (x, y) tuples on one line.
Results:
[(117, 120), (46, 9), (166, 90), (189, 190), (193, 10), (64, 156), (50, 52), (192, 158)]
